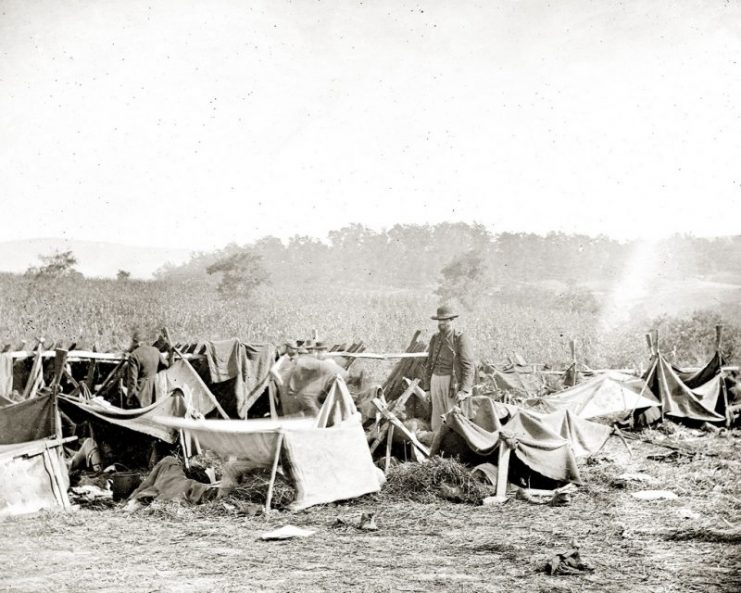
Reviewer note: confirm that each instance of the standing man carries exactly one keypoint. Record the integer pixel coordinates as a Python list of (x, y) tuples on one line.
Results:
[(143, 363), (450, 366)]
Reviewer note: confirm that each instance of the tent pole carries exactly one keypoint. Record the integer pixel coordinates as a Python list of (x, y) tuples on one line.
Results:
[(389, 440), (186, 461), (502, 469), (37, 372), (273, 472), (572, 344), (718, 337), (271, 399)]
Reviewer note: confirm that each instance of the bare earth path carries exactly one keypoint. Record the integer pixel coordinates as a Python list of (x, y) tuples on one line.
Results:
[(660, 546)]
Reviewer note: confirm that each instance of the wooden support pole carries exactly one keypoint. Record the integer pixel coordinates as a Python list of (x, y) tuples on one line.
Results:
[(185, 448), (718, 337), (60, 363), (326, 409), (397, 423), (503, 470), (271, 400), (389, 442), (273, 472), (195, 441), (110, 377), (379, 439), (53, 463), (398, 404), (36, 375)]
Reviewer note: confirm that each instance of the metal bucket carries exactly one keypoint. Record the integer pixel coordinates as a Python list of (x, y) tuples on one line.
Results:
[(124, 483)]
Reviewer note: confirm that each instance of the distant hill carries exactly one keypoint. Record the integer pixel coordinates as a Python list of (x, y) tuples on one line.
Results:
[(95, 259)]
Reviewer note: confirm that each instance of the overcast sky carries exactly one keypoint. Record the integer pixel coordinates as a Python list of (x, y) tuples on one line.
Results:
[(189, 124)]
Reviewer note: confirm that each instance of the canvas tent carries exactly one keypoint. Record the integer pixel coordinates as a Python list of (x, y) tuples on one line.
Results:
[(696, 396), (701, 397), (546, 443), (327, 457), (605, 395), (33, 476)]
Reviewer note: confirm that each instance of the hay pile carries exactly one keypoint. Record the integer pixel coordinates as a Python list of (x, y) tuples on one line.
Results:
[(253, 488), (437, 478)]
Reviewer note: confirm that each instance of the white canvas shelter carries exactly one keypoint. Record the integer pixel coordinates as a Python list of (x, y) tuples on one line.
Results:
[(602, 396)]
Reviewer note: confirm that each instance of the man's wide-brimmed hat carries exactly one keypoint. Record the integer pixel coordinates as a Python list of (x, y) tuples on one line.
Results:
[(444, 312)]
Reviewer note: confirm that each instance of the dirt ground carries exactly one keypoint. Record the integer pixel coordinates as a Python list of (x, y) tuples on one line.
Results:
[(692, 543)]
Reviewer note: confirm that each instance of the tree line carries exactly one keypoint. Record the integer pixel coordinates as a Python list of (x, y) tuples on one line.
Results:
[(458, 257)]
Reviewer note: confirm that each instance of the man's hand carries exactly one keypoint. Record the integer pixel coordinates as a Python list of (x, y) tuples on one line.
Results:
[(461, 396)]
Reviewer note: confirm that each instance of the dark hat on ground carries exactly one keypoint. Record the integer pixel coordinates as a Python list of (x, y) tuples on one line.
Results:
[(444, 312), (320, 346)]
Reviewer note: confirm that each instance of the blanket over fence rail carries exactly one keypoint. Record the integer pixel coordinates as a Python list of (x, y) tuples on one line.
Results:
[(239, 373)]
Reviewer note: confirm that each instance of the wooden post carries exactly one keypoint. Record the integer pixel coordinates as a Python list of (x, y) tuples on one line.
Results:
[(397, 404), (273, 472), (718, 337), (91, 370), (271, 400), (502, 469), (52, 461), (572, 345), (195, 441), (60, 361), (389, 441), (326, 409), (397, 423), (184, 447), (650, 343), (37, 372)]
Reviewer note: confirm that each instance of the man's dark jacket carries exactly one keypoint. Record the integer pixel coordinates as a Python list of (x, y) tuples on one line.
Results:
[(464, 366), (144, 362)]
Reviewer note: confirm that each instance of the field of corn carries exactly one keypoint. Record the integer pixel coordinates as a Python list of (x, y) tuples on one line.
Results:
[(104, 312)]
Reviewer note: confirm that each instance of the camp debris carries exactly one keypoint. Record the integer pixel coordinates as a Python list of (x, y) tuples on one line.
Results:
[(286, 532), (568, 562)]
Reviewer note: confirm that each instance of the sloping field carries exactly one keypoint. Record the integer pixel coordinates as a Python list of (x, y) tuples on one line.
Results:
[(690, 544)]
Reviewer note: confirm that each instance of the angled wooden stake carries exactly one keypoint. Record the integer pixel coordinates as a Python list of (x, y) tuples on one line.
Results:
[(273, 472), (397, 423), (36, 377)]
